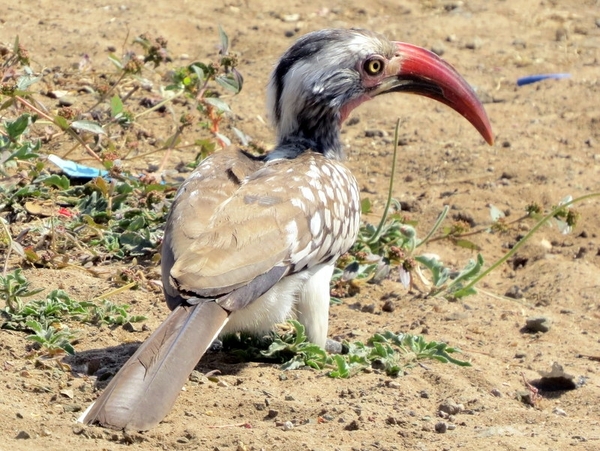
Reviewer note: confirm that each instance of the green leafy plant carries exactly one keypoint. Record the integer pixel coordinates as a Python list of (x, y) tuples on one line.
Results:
[(294, 349), (394, 242), (53, 340), (120, 217), (392, 353), (111, 314), (45, 317), (14, 287), (389, 352)]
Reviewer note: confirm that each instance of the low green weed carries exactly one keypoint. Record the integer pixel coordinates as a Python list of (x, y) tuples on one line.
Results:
[(45, 317)]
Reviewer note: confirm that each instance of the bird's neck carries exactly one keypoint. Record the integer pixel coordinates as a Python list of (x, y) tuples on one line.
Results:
[(317, 131)]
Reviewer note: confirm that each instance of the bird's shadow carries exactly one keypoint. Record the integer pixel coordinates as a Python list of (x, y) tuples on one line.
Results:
[(104, 363)]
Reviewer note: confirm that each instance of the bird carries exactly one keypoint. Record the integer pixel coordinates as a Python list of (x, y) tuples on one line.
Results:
[(251, 241)]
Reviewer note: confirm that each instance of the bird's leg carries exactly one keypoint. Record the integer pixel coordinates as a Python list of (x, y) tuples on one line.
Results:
[(313, 304)]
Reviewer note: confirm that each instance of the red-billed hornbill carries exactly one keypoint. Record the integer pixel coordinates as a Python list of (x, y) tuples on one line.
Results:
[(251, 241)]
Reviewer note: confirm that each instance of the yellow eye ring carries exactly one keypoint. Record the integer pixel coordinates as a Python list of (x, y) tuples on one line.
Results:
[(373, 66)]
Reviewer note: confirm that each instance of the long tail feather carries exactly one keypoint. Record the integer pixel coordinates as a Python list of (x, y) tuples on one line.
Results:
[(144, 390)]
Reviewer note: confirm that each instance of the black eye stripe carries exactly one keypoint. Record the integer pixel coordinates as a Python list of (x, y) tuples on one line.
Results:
[(305, 47)]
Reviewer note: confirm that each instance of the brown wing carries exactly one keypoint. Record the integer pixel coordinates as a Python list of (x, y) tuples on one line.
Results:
[(268, 221), (212, 183)]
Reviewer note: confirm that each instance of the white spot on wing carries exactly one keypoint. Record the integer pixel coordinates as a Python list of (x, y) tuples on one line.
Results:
[(336, 226), (308, 194), (328, 218), (297, 256), (326, 246), (322, 197), (329, 191), (297, 203), (291, 230), (315, 224)]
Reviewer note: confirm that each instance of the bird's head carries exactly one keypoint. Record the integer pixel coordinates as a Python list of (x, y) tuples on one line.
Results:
[(328, 73)]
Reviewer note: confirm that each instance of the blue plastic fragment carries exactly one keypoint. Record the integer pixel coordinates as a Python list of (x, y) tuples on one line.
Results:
[(539, 77), (73, 169)]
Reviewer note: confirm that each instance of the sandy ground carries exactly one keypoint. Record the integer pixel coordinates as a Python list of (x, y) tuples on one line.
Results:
[(548, 147)]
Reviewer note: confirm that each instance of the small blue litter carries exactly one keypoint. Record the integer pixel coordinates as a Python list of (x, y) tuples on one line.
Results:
[(77, 170), (539, 77)]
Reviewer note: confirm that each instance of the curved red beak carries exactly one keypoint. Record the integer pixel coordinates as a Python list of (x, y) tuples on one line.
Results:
[(418, 71)]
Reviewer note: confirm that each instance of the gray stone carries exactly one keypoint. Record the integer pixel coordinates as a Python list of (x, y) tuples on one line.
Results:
[(441, 427)]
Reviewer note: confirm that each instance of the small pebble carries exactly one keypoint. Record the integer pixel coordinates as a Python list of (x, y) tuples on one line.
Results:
[(388, 306), (538, 324), (374, 133), (519, 43), (450, 407), (129, 327), (370, 308), (438, 49), (290, 17), (514, 292), (273, 413), (475, 44), (288, 426), (23, 435), (222, 383), (561, 34), (559, 411), (497, 393), (72, 408), (394, 384), (333, 347), (352, 426), (57, 94), (66, 101), (581, 252), (441, 427), (424, 394)]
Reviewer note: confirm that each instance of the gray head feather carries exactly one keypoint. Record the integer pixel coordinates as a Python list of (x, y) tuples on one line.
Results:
[(311, 83)]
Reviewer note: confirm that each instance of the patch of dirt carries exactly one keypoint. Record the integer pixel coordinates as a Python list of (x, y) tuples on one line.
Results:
[(548, 147)]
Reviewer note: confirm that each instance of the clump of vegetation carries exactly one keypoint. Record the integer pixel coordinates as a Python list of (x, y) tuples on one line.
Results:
[(45, 317), (389, 352), (394, 243), (62, 220)]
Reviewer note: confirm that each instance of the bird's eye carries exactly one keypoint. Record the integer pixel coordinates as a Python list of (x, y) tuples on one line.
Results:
[(373, 66)]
